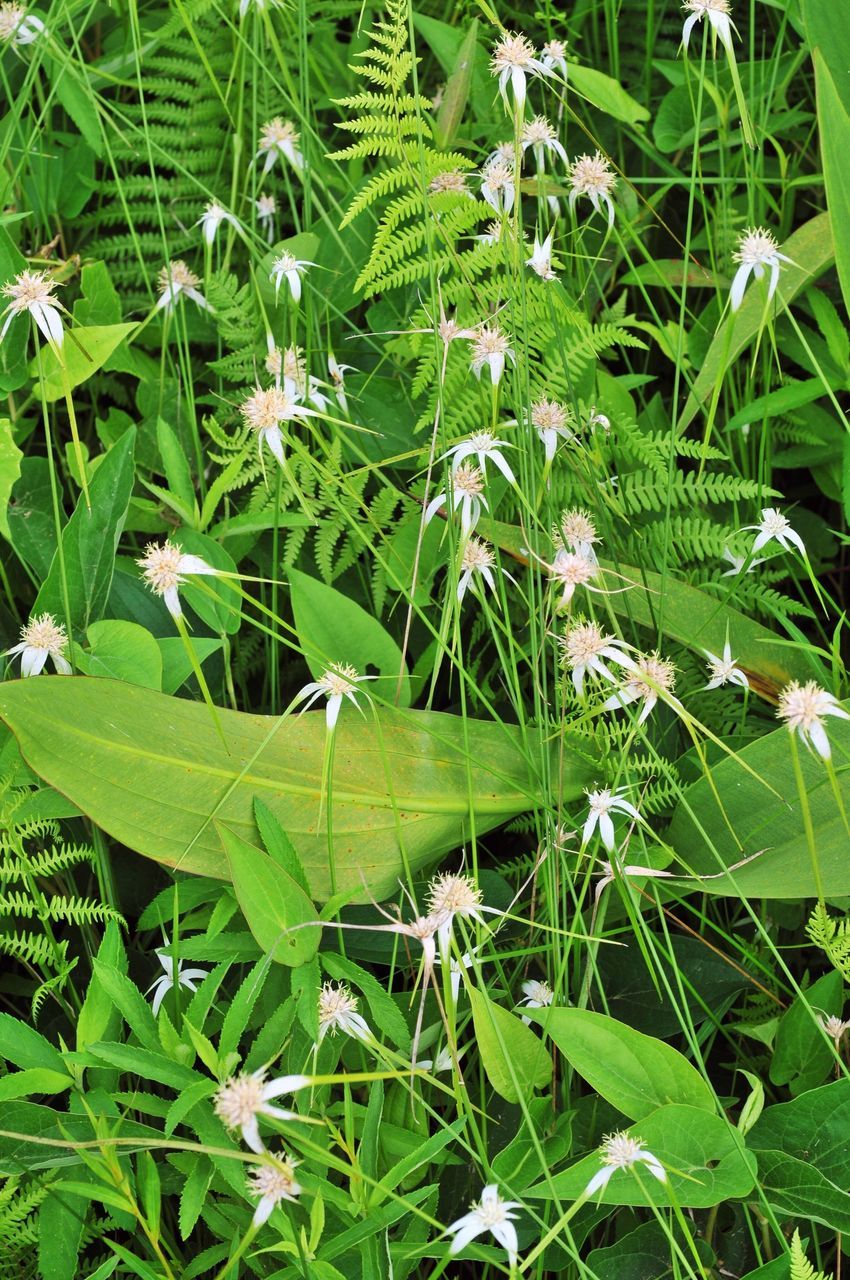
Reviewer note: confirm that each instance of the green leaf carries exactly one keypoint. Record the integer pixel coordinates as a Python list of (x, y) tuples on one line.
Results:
[(23, 1046), (30, 516), (193, 1195), (100, 303), (834, 122), (176, 664), (127, 998), (214, 600), (514, 1058), (72, 90), (83, 354), (334, 628), (21, 1084), (802, 1056), (240, 1007), (99, 1019), (123, 651), (90, 540), (278, 844), (456, 92), (10, 470), (175, 464), (152, 771), (634, 1072), (606, 94), (145, 1063), (272, 903), (61, 1219), (733, 815), (705, 1159)]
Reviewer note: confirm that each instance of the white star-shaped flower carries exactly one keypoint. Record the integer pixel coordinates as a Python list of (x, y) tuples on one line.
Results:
[(592, 176), (164, 568), (803, 707), (620, 1151), (601, 804), (42, 638), (498, 186), (724, 670), (338, 682), (212, 218), (651, 678), (774, 526), (273, 1183), (241, 1100), (717, 12), (540, 261), (338, 1012), (165, 982), (491, 1213), (17, 27), (514, 59), (757, 249), (539, 135), (32, 292), (279, 139), (484, 447), (465, 492), (264, 411), (176, 281), (291, 269), (584, 647)]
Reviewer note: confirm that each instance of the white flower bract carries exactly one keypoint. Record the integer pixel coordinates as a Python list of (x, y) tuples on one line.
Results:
[(212, 218), (42, 638), (592, 176), (584, 646), (724, 670), (279, 140), (338, 682), (717, 12), (757, 249), (164, 568), (513, 60), (540, 261), (498, 186), (601, 804), (621, 1151), (490, 1213), (803, 708), (291, 269), (483, 446), (652, 677), (338, 1012), (464, 492), (166, 981), (774, 526), (273, 1183), (241, 1100), (17, 27), (32, 292), (176, 281)]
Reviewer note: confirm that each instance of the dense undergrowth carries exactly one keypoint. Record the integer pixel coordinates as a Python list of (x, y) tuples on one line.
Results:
[(424, 491)]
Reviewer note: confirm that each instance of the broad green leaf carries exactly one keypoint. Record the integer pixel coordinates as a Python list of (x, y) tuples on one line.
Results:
[(100, 303), (688, 615), (90, 540), (30, 515), (10, 470), (61, 1219), (123, 651), (22, 1084), (804, 1157), (811, 251), (83, 354), (456, 92), (215, 600), (25, 1047), (704, 1156), (175, 464), (834, 121), (99, 1019), (606, 94), (127, 997), (26, 1120), (514, 1059), (734, 815), (71, 88), (153, 772), (176, 664), (802, 1056), (272, 903), (634, 1072), (334, 628)]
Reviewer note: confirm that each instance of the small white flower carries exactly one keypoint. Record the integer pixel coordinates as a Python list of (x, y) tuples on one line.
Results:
[(266, 207), (442, 1062), (338, 682), (514, 59), (492, 233), (290, 269), (265, 410), (576, 530), (834, 1027), (272, 1182), (803, 708), (450, 182), (504, 151), (620, 1151), (466, 492), (538, 995), (338, 1012), (601, 804), (724, 670), (757, 249), (717, 12), (498, 186), (592, 176), (651, 678), (165, 982), (774, 525), (490, 347), (541, 258), (539, 135), (608, 875), (551, 421), (279, 139), (242, 1099), (337, 375), (451, 895), (481, 445), (491, 1213), (572, 569), (553, 55), (583, 648), (737, 563), (17, 27), (32, 291), (212, 218), (176, 281), (164, 568), (42, 638), (478, 560)]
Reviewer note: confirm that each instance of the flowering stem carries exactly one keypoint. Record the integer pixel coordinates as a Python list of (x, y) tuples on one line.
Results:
[(57, 514), (72, 417)]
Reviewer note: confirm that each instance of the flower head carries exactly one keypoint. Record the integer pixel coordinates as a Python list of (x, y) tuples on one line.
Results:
[(620, 1151), (572, 569), (585, 646), (166, 981), (650, 678), (279, 139), (724, 670), (242, 1099), (601, 804), (338, 1012), (774, 526), (478, 560), (42, 638), (483, 446), (593, 177), (164, 568), (449, 182), (32, 291), (17, 27), (498, 185), (176, 281), (576, 530), (537, 994), (514, 59), (757, 249), (834, 1027), (211, 219), (541, 258), (289, 268), (737, 563), (264, 410), (490, 1213), (490, 347), (337, 374), (553, 55), (539, 135), (266, 207), (272, 1182), (451, 895), (803, 707), (466, 492), (552, 421), (338, 682), (717, 12)]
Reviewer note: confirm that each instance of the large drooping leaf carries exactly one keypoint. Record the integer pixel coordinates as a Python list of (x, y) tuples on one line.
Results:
[(703, 1154), (740, 812), (514, 1059), (154, 773)]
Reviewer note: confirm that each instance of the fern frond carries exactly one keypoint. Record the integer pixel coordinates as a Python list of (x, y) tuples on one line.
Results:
[(801, 1268)]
